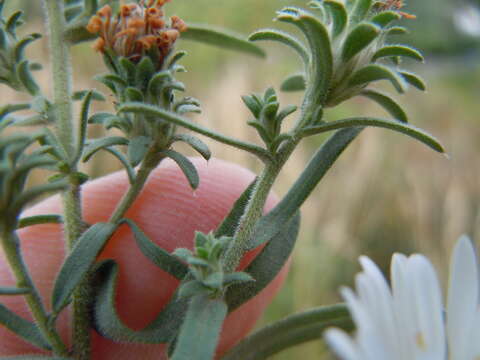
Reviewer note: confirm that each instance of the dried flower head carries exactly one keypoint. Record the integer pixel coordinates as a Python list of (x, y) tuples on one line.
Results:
[(394, 5), (136, 30)]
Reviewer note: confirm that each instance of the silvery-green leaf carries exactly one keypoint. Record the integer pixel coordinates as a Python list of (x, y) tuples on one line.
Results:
[(221, 38), (385, 17), (413, 80), (387, 103), (281, 37), (339, 15), (196, 144), (26, 78), (40, 219), (294, 83), (360, 10), (200, 330), (358, 39), (98, 144), (376, 72), (156, 254), (186, 166), (9, 291), (398, 50), (138, 148), (79, 262)]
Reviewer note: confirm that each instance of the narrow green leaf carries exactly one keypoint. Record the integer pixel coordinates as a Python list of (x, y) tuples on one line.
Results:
[(126, 164), (385, 17), (128, 70), (397, 30), (156, 254), (34, 193), (98, 144), (358, 39), (398, 50), (221, 38), (294, 83), (40, 219), (22, 44), (83, 124), (192, 288), (26, 78), (96, 95), (252, 105), (266, 265), (376, 72), (284, 38), (186, 166), (387, 103), (322, 59), (197, 144), (13, 21), (144, 71), (200, 331), (360, 10), (271, 224), (133, 94), (285, 112), (158, 81), (23, 328), (414, 80), (138, 148), (231, 221), (14, 291), (176, 58), (79, 262), (107, 322), (291, 331), (188, 108), (237, 278), (401, 127), (339, 15)]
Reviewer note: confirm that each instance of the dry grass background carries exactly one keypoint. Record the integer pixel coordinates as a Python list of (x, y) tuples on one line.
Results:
[(387, 192)]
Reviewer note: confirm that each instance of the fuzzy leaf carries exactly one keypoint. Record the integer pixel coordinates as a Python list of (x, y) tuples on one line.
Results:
[(40, 219), (254, 106), (22, 44), (34, 193), (266, 265), (322, 59), (101, 143), (79, 262), (376, 72), (221, 38), (387, 103), (107, 322), (237, 278), (271, 224), (360, 10), (156, 254), (192, 288), (397, 30), (13, 291), (401, 127), (197, 144), (284, 38), (200, 331), (144, 71), (294, 83), (288, 110), (339, 15), (385, 17), (186, 166), (398, 50), (26, 78), (414, 80), (158, 80), (137, 149), (133, 94), (82, 134), (23, 328), (96, 95), (358, 39), (125, 163)]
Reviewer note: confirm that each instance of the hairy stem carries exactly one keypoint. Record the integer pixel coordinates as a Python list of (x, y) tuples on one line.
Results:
[(11, 248), (62, 96), (254, 209), (150, 162)]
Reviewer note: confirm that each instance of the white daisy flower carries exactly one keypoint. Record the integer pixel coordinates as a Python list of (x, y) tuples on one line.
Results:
[(407, 321)]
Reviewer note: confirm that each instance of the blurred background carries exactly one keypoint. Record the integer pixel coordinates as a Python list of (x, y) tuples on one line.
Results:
[(386, 193)]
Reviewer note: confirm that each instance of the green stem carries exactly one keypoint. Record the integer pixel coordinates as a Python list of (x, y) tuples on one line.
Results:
[(291, 331), (254, 210), (11, 248), (150, 162), (73, 225)]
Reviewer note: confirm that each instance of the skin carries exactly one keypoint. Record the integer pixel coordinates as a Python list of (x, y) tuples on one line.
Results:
[(169, 212)]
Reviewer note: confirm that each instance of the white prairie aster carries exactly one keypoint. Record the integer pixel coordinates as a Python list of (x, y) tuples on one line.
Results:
[(407, 322)]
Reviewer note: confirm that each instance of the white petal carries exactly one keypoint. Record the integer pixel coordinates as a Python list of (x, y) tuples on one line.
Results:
[(342, 344), (462, 297), (429, 308)]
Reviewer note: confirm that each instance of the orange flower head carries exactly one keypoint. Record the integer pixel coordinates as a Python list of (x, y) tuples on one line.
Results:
[(136, 30), (394, 5)]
